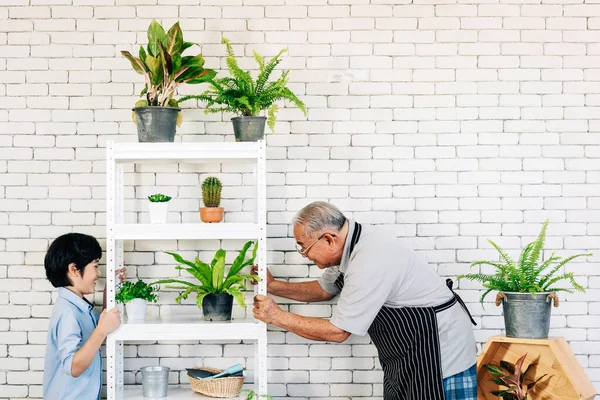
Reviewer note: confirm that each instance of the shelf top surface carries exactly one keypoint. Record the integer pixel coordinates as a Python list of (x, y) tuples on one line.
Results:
[(175, 392), (197, 230), (187, 319), (194, 152)]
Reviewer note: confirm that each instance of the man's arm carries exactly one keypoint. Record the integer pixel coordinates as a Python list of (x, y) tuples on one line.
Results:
[(311, 328), (300, 291)]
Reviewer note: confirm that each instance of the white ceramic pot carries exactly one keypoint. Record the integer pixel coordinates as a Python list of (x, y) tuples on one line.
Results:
[(136, 309), (158, 212)]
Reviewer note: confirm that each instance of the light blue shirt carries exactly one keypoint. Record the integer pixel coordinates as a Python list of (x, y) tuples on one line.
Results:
[(72, 322)]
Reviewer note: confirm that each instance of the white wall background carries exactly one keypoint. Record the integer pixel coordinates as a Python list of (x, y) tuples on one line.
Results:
[(450, 122)]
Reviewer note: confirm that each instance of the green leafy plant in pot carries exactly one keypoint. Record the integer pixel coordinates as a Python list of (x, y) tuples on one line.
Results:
[(136, 296), (158, 205), (511, 379), (164, 68), (211, 197), (526, 287), (247, 97), (214, 290)]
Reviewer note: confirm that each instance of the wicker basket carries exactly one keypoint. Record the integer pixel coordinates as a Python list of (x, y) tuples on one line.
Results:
[(220, 387)]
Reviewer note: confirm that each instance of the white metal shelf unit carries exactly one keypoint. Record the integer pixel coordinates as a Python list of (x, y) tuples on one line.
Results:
[(178, 328)]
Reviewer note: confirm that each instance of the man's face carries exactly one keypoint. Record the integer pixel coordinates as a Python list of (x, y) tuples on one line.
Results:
[(319, 248)]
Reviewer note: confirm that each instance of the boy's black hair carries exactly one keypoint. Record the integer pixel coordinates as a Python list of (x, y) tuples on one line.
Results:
[(76, 248)]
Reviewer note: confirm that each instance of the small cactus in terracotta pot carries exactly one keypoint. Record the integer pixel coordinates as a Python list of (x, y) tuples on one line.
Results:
[(211, 197)]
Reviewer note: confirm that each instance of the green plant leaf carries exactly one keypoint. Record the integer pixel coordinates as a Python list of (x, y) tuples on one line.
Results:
[(218, 270), (236, 267), (199, 298), (175, 39), (156, 35), (136, 63), (155, 69), (237, 295), (180, 259)]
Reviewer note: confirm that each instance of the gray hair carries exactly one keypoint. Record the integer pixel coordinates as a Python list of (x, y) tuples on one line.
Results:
[(318, 216)]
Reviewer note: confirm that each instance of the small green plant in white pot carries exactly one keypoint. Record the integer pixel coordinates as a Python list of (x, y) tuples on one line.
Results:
[(159, 208), (136, 296)]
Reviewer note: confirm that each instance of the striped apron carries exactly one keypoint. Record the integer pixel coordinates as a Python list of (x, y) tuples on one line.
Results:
[(408, 344)]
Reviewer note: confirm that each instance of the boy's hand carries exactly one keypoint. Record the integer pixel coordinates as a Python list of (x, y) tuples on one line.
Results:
[(121, 274), (110, 320)]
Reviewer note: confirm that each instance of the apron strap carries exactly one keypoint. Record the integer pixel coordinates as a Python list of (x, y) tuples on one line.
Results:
[(449, 283)]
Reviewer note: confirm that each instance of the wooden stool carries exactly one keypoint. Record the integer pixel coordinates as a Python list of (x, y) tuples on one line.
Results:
[(566, 379)]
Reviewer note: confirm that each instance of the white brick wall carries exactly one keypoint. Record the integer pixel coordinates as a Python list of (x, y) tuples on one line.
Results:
[(449, 123)]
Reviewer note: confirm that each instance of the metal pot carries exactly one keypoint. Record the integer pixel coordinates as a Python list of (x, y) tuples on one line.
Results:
[(248, 129), (156, 124), (526, 316), (217, 307)]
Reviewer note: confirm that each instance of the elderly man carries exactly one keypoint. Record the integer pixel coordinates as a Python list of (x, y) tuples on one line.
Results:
[(420, 327)]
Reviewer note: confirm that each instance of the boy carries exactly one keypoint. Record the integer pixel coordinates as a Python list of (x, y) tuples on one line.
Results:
[(73, 364)]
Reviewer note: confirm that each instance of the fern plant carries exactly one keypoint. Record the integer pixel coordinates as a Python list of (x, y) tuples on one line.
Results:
[(527, 274), (241, 94), (211, 277)]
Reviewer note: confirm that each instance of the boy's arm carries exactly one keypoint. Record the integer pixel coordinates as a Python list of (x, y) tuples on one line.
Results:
[(76, 361)]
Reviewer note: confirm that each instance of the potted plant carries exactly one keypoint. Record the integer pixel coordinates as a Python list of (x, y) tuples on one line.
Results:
[(512, 377), (251, 395), (247, 97), (136, 296), (159, 208), (164, 69), (214, 290), (525, 289), (211, 197)]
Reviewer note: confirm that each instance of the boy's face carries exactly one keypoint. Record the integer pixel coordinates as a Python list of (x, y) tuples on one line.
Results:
[(84, 281)]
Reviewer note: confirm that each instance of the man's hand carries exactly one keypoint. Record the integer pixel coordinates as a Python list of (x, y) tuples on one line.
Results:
[(254, 271), (266, 310), (110, 320)]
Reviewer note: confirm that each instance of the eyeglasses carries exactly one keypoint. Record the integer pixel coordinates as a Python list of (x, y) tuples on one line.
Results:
[(304, 252)]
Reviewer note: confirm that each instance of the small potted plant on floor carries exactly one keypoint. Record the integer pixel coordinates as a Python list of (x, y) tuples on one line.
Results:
[(214, 290), (211, 197), (164, 68), (243, 95), (525, 289), (158, 205), (136, 296)]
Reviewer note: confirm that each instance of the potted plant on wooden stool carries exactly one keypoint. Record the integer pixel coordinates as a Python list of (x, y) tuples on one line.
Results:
[(158, 205), (164, 68), (211, 197), (526, 293), (247, 97), (136, 296), (215, 290)]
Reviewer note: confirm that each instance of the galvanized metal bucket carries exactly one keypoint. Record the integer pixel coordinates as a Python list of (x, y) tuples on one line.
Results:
[(526, 316), (155, 381), (156, 124), (248, 129)]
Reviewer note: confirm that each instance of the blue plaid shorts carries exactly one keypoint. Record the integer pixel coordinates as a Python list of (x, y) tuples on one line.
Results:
[(462, 386)]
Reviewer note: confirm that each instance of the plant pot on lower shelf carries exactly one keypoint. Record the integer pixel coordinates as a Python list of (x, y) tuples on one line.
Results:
[(217, 307), (211, 214), (136, 309), (527, 316), (249, 129)]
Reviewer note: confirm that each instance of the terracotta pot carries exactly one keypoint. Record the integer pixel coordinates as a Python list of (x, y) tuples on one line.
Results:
[(211, 214)]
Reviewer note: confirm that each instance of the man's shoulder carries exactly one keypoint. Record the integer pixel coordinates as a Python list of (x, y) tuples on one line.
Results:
[(64, 310)]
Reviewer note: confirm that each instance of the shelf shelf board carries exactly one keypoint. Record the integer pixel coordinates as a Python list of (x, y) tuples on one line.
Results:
[(175, 392), (186, 327), (223, 230), (193, 152)]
